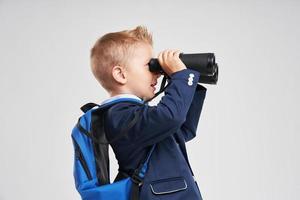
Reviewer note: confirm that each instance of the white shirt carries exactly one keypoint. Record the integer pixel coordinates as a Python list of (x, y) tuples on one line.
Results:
[(121, 96)]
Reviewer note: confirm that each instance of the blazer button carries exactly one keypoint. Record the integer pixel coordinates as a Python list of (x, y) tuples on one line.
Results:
[(190, 79)]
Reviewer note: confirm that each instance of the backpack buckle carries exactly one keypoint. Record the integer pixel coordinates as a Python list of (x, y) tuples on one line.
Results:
[(137, 179)]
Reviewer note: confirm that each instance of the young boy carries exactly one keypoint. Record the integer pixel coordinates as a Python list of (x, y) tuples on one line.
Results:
[(119, 61)]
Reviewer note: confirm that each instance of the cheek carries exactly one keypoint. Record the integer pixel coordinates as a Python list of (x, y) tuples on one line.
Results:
[(145, 74), (142, 75)]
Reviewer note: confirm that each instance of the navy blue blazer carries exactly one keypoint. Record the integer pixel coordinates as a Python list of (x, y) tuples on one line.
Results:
[(169, 124)]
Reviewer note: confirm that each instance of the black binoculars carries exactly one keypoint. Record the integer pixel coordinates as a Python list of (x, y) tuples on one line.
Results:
[(201, 62)]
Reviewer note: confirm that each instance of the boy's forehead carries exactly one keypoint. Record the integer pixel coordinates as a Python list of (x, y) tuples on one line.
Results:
[(144, 51)]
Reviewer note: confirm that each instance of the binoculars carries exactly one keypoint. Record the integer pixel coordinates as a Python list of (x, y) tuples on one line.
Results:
[(201, 62)]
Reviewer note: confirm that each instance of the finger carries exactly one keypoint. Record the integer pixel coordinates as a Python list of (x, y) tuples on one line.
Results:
[(160, 59), (165, 55), (170, 54), (176, 53), (159, 54)]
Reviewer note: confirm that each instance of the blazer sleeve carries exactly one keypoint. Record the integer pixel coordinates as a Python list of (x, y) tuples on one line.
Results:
[(156, 122), (189, 127)]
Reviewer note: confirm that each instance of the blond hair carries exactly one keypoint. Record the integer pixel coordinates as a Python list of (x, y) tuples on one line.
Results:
[(115, 48)]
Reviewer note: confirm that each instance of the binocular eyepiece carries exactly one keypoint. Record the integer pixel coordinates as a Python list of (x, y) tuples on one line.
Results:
[(204, 63)]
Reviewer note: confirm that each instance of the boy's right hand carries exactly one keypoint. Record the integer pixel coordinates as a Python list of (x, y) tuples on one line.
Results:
[(170, 62)]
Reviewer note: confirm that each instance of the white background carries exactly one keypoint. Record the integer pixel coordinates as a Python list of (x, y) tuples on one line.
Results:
[(247, 145)]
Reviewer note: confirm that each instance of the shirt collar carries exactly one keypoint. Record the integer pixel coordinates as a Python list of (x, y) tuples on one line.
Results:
[(120, 96)]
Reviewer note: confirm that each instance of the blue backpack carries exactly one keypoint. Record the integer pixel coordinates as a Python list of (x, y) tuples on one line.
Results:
[(91, 159)]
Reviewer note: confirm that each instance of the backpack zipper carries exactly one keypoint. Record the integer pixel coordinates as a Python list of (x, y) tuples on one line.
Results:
[(80, 157)]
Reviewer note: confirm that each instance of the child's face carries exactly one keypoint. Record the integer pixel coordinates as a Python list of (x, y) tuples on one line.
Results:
[(139, 78)]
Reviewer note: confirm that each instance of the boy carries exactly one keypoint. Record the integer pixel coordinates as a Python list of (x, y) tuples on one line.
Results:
[(119, 61)]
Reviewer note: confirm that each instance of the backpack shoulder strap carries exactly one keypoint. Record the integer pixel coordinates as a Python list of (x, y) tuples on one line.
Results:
[(88, 106), (138, 176)]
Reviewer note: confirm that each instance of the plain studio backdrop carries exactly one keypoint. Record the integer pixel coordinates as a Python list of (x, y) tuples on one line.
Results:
[(247, 144)]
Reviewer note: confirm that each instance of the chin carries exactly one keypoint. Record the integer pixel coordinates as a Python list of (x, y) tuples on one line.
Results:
[(150, 96)]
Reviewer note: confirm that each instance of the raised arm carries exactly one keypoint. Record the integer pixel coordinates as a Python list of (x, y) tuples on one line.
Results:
[(189, 127), (156, 122)]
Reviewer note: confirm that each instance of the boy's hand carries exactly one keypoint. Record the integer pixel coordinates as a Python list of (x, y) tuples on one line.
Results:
[(170, 61)]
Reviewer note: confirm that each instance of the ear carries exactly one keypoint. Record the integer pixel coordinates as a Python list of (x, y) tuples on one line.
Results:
[(119, 74)]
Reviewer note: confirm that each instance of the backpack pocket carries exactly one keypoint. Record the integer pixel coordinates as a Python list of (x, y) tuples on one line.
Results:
[(169, 185), (79, 157)]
